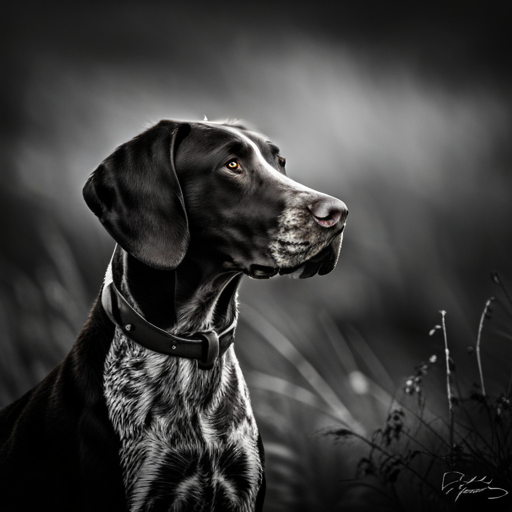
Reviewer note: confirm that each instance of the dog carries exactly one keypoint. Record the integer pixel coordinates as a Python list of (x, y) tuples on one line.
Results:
[(150, 411)]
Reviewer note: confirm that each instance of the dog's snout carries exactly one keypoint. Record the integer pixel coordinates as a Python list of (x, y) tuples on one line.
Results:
[(328, 211)]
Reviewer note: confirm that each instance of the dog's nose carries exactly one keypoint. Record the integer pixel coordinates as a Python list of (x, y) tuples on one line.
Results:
[(329, 211)]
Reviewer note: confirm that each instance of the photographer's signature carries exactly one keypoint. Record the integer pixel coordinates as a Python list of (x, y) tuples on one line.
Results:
[(460, 485)]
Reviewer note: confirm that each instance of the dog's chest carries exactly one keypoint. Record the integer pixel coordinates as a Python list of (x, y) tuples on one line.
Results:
[(188, 437)]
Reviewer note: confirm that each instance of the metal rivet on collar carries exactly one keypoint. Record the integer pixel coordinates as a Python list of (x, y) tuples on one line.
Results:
[(128, 327), (174, 347)]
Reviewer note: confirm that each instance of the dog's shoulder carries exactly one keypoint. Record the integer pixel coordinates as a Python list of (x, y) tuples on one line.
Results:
[(56, 444)]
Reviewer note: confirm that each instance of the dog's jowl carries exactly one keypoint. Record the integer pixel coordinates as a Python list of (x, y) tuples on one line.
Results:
[(150, 411)]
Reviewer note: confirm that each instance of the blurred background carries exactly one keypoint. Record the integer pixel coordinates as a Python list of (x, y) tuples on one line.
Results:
[(404, 114)]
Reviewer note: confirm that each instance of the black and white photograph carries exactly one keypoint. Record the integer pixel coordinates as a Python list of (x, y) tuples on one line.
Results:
[(255, 256)]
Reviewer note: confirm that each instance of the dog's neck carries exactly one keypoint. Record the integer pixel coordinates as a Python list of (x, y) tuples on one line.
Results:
[(194, 297)]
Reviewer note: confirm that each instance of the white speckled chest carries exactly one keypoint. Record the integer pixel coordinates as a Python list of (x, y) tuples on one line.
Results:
[(189, 440)]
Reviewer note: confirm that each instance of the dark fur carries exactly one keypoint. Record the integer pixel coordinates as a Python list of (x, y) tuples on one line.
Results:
[(58, 445), (188, 229)]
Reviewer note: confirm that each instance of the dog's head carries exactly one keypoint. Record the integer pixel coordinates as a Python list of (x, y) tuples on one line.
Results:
[(215, 192)]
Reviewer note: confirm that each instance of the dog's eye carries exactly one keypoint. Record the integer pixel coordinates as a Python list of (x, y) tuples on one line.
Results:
[(281, 160), (234, 165)]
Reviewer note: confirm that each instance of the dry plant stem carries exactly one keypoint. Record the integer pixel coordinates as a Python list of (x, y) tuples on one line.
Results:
[(448, 377), (479, 338), (375, 447)]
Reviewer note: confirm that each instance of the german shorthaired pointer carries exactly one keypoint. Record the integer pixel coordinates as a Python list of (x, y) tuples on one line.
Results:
[(150, 411)]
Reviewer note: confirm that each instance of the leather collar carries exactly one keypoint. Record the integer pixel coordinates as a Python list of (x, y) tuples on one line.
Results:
[(206, 347)]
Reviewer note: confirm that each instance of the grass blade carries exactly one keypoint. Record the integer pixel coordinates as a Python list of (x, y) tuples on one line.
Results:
[(288, 350)]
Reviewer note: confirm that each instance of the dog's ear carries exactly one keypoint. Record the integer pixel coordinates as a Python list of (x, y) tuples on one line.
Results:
[(136, 194)]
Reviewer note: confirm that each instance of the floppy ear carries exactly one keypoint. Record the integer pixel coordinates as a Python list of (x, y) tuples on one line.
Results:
[(136, 194)]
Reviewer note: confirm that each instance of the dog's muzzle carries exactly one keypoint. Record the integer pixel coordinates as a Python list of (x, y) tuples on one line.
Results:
[(322, 263)]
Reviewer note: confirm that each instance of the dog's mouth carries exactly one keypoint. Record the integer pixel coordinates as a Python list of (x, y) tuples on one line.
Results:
[(322, 263), (261, 272)]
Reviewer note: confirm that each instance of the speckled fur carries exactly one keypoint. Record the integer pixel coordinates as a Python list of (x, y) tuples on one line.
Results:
[(294, 242), (188, 436)]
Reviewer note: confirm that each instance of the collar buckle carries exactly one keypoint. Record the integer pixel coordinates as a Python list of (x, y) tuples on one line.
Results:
[(210, 351)]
